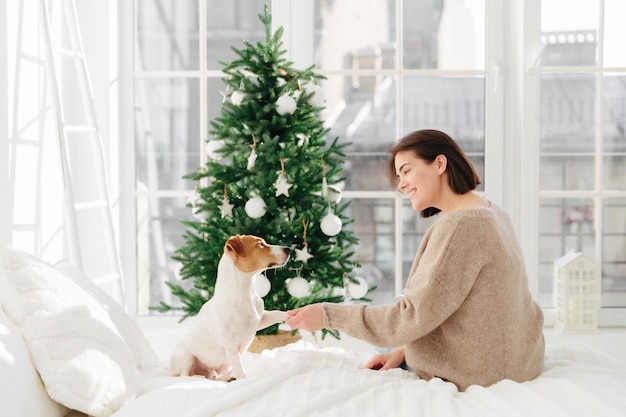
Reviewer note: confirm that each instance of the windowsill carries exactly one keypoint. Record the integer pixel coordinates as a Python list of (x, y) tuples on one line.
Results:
[(610, 340)]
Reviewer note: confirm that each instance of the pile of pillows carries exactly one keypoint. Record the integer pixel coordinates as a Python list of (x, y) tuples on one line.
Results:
[(64, 343)]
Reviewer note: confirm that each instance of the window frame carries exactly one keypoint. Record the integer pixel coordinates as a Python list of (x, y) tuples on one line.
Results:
[(512, 149)]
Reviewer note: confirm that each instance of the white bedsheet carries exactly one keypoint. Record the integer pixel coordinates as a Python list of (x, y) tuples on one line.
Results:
[(302, 380)]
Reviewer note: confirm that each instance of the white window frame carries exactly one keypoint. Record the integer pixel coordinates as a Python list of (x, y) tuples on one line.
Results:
[(511, 126)]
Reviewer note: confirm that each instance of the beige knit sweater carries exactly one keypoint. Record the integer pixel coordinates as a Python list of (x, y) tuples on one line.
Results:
[(467, 315)]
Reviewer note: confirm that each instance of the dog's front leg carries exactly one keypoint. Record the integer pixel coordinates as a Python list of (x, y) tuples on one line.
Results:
[(272, 317), (234, 358)]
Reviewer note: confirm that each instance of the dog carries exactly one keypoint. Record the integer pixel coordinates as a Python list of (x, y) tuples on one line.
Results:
[(226, 324)]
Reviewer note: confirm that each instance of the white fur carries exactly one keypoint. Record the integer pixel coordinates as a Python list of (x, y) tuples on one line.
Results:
[(227, 323)]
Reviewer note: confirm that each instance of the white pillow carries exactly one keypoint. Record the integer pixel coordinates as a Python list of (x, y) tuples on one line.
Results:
[(80, 355), (22, 393), (135, 339)]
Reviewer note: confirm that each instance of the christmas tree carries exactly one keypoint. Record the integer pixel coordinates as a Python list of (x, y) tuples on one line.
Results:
[(271, 173)]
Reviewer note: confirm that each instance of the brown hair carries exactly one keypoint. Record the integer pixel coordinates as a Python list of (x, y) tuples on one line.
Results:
[(427, 144)]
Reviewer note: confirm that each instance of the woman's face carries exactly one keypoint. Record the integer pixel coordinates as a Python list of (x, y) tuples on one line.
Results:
[(420, 180)]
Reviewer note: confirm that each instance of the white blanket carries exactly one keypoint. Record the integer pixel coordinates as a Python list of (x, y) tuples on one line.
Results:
[(302, 380)]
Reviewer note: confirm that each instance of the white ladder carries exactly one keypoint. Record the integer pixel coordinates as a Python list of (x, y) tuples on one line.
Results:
[(89, 221)]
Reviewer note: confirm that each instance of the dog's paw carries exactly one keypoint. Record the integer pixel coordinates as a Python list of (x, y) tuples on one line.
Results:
[(281, 316)]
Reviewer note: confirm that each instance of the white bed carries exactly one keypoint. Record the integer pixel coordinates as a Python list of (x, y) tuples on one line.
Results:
[(67, 349)]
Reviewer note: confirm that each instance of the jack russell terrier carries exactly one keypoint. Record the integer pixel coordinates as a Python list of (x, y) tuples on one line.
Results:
[(226, 324)]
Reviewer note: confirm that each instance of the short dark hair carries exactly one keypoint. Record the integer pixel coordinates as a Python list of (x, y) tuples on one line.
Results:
[(427, 144)]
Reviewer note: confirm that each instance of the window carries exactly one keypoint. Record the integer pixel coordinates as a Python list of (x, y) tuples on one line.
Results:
[(391, 72), (176, 78), (397, 67), (582, 142)]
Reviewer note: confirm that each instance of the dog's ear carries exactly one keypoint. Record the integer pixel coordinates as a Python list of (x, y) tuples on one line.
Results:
[(234, 247)]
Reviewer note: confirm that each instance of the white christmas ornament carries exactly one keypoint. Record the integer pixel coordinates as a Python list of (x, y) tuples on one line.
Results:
[(225, 93), (237, 97), (303, 139), (255, 207), (317, 94), (303, 255), (226, 208), (282, 186), (285, 105), (333, 195), (262, 285), (213, 148), (251, 159), (357, 289), (331, 224), (298, 287)]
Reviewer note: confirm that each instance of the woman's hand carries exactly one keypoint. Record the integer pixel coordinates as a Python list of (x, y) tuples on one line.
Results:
[(309, 318), (384, 361)]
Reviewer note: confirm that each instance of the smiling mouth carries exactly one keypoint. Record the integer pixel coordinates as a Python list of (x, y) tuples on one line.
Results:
[(410, 193)]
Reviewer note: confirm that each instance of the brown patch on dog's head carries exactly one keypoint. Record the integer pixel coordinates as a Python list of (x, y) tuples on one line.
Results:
[(252, 253)]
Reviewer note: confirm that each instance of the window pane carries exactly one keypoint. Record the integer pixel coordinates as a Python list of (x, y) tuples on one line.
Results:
[(614, 33), (167, 132), (374, 222), (615, 172), (159, 234), (565, 224), (167, 35), (367, 42), (229, 24), (567, 132), (614, 253), (454, 105), (614, 128), (570, 39), (361, 110), (445, 35)]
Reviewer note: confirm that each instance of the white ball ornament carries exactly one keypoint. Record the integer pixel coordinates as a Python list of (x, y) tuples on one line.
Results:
[(255, 207), (298, 287), (333, 195), (262, 285), (331, 225), (213, 148), (357, 289), (285, 105), (237, 97), (317, 94)]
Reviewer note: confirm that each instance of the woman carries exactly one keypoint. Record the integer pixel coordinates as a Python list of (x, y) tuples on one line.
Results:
[(467, 315)]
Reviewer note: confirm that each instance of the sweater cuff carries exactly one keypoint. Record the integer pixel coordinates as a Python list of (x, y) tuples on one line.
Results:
[(335, 315)]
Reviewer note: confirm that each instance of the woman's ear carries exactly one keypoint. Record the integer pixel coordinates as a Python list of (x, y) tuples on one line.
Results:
[(442, 163)]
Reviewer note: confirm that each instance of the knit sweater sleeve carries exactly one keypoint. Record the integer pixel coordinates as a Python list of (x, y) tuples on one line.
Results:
[(445, 268)]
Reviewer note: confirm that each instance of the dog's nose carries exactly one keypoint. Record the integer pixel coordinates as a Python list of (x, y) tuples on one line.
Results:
[(286, 250)]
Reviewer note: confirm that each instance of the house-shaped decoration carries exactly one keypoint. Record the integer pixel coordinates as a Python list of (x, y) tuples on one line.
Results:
[(577, 292)]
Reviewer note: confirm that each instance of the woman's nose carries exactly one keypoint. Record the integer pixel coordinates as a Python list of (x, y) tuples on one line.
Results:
[(402, 185)]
